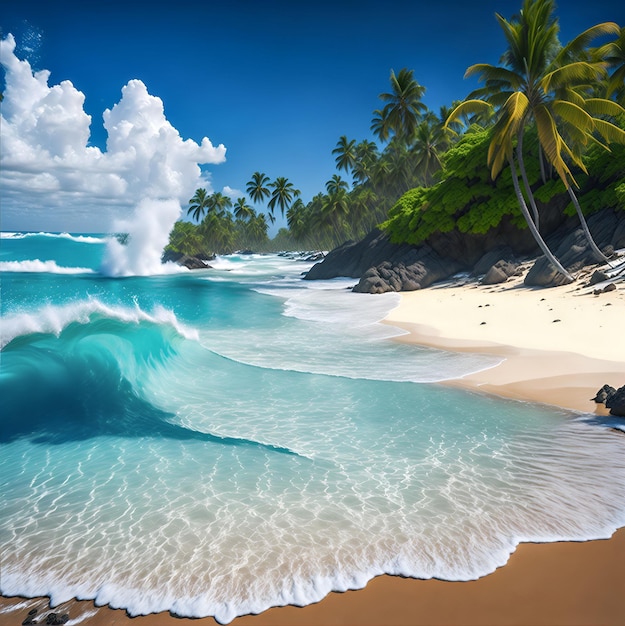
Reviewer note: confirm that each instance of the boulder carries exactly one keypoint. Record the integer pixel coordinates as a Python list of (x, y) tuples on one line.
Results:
[(192, 262), (499, 273), (603, 394), (416, 270), (598, 276), (616, 402), (500, 253)]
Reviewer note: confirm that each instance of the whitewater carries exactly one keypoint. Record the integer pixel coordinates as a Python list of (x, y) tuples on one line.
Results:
[(221, 441)]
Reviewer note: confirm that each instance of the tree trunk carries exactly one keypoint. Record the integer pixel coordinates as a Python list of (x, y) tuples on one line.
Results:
[(539, 240), (591, 242), (526, 183)]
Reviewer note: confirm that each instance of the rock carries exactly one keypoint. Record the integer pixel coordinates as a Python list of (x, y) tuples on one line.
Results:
[(609, 287), (544, 274), (598, 276), (499, 273), (192, 262), (417, 269), (616, 402), (603, 394), (492, 257)]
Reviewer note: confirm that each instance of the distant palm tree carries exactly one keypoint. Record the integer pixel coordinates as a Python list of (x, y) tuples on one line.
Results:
[(335, 185), (219, 203), (199, 204), (366, 157), (283, 194), (403, 109), (430, 143), (345, 154), (257, 187), (242, 210)]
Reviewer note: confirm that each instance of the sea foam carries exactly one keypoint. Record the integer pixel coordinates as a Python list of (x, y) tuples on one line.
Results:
[(37, 266)]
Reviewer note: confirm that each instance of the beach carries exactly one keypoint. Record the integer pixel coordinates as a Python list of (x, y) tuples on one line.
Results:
[(558, 346)]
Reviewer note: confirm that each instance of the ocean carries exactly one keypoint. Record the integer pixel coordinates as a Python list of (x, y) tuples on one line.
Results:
[(222, 441)]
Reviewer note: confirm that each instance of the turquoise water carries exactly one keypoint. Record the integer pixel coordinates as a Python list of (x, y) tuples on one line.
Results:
[(223, 441)]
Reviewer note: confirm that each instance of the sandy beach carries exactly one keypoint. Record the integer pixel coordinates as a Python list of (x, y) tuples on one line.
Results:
[(558, 346)]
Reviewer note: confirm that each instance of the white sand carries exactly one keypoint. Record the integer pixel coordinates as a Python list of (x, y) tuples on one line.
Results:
[(561, 344)]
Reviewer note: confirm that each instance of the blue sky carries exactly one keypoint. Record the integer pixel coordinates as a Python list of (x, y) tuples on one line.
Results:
[(277, 83)]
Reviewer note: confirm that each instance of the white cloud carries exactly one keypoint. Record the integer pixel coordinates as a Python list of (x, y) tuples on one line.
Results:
[(48, 173), (235, 194)]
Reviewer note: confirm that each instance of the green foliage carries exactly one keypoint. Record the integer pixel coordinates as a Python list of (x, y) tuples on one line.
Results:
[(466, 198)]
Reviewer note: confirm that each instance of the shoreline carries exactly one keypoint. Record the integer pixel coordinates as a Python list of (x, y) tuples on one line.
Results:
[(561, 363), (541, 585), (558, 346)]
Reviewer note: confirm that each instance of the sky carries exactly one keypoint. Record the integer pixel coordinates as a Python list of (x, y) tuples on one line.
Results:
[(110, 103)]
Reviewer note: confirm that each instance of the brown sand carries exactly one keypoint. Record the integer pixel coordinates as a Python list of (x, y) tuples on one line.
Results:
[(561, 363)]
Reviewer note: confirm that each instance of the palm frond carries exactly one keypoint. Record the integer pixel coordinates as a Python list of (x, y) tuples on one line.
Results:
[(602, 106), (468, 107), (573, 114), (572, 73), (610, 132)]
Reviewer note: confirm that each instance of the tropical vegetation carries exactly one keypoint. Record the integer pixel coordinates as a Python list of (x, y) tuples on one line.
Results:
[(546, 125)]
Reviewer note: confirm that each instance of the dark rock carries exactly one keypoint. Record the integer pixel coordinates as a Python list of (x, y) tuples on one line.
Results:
[(192, 262), (598, 276), (499, 273), (609, 287), (500, 253), (418, 268), (616, 402), (544, 274), (603, 394)]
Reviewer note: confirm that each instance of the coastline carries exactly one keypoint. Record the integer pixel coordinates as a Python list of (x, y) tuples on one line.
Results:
[(560, 362), (558, 346)]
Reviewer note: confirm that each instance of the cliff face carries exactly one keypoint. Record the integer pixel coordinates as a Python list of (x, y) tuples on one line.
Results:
[(383, 266)]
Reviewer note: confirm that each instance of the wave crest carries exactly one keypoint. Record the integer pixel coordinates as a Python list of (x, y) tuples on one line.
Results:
[(35, 266), (52, 320)]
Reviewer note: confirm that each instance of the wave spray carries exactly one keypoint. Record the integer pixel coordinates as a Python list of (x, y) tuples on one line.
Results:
[(148, 233)]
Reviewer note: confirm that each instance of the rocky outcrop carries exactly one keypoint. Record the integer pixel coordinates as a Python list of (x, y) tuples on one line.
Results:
[(384, 266), (572, 249), (416, 269), (616, 402), (614, 399), (192, 262)]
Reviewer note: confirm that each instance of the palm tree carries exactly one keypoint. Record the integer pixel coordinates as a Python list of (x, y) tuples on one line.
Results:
[(199, 204), (403, 109), (542, 83), (219, 203), (283, 194), (430, 143), (242, 210), (366, 156), (257, 187), (345, 154)]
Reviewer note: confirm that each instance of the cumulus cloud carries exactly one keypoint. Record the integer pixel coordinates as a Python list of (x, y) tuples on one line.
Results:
[(48, 170), (232, 193)]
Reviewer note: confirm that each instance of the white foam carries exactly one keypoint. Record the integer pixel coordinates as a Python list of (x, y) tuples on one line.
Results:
[(76, 238), (52, 319), (37, 266), (148, 234)]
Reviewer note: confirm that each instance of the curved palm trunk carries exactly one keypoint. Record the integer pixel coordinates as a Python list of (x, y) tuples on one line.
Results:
[(591, 242), (526, 214), (526, 182)]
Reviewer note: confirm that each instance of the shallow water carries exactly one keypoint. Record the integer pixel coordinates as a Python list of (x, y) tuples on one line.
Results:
[(219, 442)]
